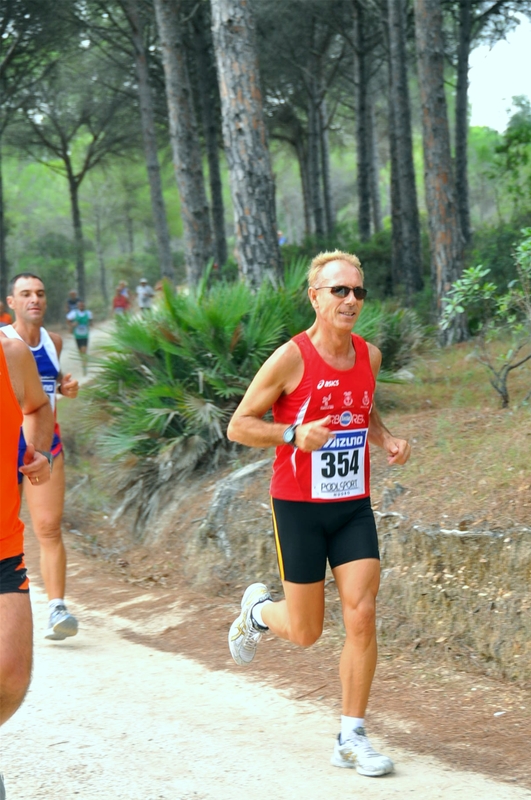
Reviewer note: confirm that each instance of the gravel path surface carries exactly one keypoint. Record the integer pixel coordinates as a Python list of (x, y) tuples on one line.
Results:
[(107, 719)]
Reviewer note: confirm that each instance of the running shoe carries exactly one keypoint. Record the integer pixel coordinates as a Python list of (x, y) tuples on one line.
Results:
[(244, 635), (61, 624), (356, 752), (2, 788)]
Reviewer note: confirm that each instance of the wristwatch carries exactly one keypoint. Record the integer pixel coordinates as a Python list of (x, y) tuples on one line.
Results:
[(289, 435), (47, 455)]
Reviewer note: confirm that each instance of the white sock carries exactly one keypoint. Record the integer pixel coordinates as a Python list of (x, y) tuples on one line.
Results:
[(349, 725), (54, 603), (256, 614)]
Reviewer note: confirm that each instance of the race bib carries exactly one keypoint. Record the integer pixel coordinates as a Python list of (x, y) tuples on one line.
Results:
[(81, 331), (49, 385), (338, 468)]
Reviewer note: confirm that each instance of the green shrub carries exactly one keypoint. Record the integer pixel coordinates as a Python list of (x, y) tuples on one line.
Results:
[(170, 380)]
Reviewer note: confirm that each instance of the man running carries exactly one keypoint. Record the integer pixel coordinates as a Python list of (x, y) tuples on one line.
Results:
[(27, 299), (144, 295), (21, 393), (79, 321), (320, 386)]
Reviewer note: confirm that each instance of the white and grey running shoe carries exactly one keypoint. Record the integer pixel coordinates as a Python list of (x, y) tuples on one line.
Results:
[(243, 635), (357, 753), (61, 624)]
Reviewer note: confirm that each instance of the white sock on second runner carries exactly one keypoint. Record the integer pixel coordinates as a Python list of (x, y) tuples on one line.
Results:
[(256, 613), (58, 601), (349, 725)]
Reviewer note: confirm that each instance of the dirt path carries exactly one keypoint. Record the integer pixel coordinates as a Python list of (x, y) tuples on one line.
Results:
[(109, 719)]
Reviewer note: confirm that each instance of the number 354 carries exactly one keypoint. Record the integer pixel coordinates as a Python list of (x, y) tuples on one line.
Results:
[(341, 464)]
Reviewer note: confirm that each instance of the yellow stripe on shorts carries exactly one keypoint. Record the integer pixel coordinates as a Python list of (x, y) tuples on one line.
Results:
[(277, 542)]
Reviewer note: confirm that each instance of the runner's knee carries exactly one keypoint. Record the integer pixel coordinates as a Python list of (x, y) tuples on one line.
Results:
[(360, 620), (48, 530), (305, 635)]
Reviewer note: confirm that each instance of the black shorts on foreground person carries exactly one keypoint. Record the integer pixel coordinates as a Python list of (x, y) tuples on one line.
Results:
[(309, 534)]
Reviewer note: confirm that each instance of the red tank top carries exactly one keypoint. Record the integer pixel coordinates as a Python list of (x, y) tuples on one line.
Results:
[(11, 527), (340, 470)]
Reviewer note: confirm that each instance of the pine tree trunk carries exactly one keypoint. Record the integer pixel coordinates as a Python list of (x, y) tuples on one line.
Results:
[(397, 245), (245, 138), (374, 176), (207, 83), (314, 164), (147, 119), (461, 118), (101, 261), (361, 81), (329, 213), (302, 158), (446, 240), (186, 150), (73, 187), (407, 213)]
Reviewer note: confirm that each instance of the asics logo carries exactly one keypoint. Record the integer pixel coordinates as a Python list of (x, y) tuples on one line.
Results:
[(327, 384)]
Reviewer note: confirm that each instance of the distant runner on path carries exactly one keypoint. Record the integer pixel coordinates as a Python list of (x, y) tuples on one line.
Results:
[(320, 386), (27, 299), (79, 322), (144, 295)]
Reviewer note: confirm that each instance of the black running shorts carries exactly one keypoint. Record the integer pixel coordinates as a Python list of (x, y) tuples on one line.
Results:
[(309, 534), (13, 575)]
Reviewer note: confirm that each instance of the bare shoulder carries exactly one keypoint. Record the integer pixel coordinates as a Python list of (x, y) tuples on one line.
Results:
[(286, 365), (15, 350), (20, 362), (57, 340)]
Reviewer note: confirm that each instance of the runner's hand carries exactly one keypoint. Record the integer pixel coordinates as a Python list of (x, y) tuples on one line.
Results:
[(398, 451), (69, 386), (36, 466), (313, 435)]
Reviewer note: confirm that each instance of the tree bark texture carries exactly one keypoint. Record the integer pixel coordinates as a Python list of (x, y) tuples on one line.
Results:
[(374, 181), (314, 162), (99, 254), (147, 121), (302, 158), (329, 212), (361, 81), (407, 215), (73, 186), (397, 247), (207, 85), (446, 240), (186, 150), (245, 138), (461, 117)]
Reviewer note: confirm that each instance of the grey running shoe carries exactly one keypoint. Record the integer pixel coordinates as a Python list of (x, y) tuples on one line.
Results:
[(243, 635), (2, 788), (61, 625), (357, 753)]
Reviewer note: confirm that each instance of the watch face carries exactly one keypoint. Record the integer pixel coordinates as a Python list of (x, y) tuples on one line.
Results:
[(289, 435)]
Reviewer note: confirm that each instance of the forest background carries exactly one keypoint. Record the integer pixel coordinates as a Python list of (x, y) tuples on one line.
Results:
[(121, 157)]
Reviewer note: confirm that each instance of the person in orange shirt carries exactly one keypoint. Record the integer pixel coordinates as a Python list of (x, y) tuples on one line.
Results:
[(22, 401), (5, 318)]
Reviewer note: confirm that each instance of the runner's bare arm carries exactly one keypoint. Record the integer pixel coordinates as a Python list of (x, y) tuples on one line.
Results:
[(398, 450), (66, 384), (281, 373), (38, 421)]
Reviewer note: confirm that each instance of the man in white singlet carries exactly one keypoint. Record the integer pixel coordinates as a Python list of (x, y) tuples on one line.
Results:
[(320, 386), (27, 299)]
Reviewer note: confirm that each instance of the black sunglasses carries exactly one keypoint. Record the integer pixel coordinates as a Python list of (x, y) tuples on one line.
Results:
[(343, 291)]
